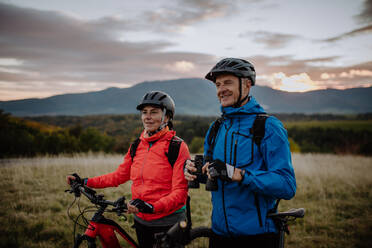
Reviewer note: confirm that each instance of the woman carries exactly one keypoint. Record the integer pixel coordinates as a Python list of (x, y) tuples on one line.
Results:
[(159, 189)]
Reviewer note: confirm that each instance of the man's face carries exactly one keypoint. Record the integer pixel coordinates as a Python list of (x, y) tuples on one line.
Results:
[(227, 87)]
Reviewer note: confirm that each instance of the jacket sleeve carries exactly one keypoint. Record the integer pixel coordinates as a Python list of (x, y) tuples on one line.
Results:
[(113, 179), (178, 196), (278, 180)]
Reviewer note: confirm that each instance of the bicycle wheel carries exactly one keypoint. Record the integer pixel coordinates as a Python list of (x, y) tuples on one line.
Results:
[(199, 237)]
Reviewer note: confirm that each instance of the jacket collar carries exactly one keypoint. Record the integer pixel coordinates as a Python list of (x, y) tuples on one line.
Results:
[(163, 134), (251, 107)]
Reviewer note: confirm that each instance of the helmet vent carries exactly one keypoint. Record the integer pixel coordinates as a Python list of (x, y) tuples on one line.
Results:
[(237, 67), (233, 64), (162, 97), (153, 96)]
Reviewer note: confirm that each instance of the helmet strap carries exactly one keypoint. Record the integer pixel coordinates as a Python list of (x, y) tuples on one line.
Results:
[(240, 100)]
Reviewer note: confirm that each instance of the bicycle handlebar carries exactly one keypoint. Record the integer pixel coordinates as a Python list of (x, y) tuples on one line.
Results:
[(78, 189)]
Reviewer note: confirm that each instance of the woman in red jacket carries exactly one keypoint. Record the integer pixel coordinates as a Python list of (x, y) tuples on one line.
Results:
[(159, 189)]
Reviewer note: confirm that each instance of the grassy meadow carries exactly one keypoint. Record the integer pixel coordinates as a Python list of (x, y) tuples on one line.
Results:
[(335, 190), (356, 125)]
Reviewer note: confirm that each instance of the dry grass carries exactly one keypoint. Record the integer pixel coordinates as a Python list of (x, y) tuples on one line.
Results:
[(335, 190)]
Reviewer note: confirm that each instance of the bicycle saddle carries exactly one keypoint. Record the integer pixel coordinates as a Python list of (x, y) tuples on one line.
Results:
[(298, 213)]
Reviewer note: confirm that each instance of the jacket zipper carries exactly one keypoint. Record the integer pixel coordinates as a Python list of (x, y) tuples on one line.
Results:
[(223, 184), (235, 148), (144, 161), (257, 203)]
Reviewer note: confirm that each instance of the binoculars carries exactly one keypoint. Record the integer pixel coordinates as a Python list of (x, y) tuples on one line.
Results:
[(210, 184), (198, 161)]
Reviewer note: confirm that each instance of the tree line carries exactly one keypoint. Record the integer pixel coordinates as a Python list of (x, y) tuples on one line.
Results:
[(34, 136), (21, 138)]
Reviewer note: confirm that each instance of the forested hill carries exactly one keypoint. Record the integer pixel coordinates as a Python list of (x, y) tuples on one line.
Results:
[(34, 136), (193, 97)]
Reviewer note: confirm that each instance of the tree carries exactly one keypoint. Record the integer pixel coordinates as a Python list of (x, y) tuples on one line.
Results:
[(197, 145)]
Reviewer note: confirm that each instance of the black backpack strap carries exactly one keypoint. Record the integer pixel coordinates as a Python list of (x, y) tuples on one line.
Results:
[(133, 148), (211, 139), (258, 131), (258, 128), (174, 149)]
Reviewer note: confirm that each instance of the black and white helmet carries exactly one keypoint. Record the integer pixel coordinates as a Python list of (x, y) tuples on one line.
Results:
[(237, 67), (159, 99)]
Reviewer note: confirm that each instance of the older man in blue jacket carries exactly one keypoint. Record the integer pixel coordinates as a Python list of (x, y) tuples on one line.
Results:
[(259, 173)]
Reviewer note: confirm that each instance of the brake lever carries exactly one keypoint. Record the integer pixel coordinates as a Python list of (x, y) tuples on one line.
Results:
[(120, 210), (75, 189), (120, 201), (120, 206)]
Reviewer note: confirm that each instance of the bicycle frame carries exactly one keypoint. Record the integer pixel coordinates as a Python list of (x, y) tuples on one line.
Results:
[(105, 230)]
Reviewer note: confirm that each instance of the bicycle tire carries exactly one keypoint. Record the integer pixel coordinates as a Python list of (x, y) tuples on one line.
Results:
[(199, 237)]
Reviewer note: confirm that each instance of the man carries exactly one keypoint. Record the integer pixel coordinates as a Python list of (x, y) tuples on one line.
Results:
[(259, 171)]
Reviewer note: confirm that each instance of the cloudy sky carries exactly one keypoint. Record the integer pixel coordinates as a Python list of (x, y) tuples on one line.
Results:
[(50, 47)]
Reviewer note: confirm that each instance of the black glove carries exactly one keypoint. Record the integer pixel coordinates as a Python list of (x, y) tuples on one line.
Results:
[(220, 169), (80, 181), (142, 206), (77, 179)]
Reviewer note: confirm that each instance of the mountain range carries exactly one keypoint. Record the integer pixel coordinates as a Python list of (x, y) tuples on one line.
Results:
[(193, 96)]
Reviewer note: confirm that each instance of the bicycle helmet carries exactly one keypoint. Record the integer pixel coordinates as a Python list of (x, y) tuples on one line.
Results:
[(237, 67), (159, 99)]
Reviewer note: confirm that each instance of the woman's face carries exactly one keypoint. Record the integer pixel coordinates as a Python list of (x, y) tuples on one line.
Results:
[(151, 118)]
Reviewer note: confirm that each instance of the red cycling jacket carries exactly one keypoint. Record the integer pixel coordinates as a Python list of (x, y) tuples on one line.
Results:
[(153, 178)]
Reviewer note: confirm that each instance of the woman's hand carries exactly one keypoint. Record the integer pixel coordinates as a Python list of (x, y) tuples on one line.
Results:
[(132, 209), (74, 177), (138, 205), (188, 170)]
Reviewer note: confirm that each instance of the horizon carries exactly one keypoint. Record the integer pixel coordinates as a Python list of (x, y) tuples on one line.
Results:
[(51, 47), (84, 92)]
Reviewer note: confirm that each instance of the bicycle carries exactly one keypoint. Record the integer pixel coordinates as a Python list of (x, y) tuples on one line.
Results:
[(181, 234)]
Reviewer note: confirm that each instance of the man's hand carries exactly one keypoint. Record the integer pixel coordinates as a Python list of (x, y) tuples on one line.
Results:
[(225, 171), (205, 169), (237, 176)]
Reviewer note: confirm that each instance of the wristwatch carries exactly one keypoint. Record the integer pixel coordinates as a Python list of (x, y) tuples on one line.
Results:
[(242, 173)]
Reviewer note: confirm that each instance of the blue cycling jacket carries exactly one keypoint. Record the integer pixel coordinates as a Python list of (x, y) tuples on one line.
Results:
[(241, 208)]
